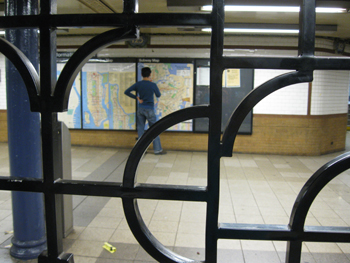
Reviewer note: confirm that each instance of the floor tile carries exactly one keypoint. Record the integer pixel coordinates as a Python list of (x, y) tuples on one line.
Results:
[(124, 251), (86, 248), (256, 189), (190, 240)]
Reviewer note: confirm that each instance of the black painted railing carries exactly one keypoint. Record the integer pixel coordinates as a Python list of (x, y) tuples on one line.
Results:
[(127, 25)]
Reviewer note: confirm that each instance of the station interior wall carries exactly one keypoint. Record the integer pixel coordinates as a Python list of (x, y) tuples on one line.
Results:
[(302, 119)]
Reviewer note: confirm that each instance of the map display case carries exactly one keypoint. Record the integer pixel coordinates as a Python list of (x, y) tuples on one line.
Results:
[(236, 83), (174, 78), (97, 100), (104, 104), (72, 117)]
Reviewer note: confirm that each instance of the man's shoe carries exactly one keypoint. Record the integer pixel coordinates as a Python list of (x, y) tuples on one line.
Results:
[(160, 153)]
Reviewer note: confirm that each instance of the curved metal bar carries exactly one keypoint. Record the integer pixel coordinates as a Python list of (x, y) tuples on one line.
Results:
[(26, 70), (153, 247), (313, 187), (252, 99), (80, 57), (131, 209), (148, 137)]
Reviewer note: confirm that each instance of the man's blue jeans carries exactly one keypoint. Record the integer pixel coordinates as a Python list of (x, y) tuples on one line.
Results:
[(141, 117)]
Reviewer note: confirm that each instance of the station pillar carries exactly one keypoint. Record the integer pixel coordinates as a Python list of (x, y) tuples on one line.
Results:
[(24, 141)]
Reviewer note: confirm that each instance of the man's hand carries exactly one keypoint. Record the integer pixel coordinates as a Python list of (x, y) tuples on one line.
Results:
[(140, 101)]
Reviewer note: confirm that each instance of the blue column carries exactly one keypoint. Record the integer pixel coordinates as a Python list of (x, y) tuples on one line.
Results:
[(24, 141)]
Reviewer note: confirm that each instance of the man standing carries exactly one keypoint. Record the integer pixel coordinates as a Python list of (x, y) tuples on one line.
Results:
[(145, 91)]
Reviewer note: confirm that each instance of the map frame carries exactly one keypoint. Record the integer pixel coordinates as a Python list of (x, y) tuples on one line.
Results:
[(232, 96), (182, 102), (109, 114), (196, 125)]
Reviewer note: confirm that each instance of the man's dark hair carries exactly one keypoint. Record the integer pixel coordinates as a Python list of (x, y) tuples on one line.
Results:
[(146, 72)]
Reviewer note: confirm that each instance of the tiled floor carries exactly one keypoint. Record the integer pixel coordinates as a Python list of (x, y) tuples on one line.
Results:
[(254, 189)]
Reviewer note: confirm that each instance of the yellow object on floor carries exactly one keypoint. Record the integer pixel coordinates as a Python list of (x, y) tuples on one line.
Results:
[(109, 247)]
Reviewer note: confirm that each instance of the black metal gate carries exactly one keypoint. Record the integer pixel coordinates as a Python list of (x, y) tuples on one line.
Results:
[(48, 103)]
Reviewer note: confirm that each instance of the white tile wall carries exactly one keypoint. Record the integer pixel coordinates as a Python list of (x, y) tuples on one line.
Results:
[(189, 52), (180, 40), (260, 52), (291, 100), (261, 41), (290, 41), (3, 105), (324, 43), (156, 53), (73, 41), (330, 92)]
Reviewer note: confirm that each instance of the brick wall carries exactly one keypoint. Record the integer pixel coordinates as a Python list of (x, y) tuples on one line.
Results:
[(3, 126), (294, 135), (127, 139), (272, 134)]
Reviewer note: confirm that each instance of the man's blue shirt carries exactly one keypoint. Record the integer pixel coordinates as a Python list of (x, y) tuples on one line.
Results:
[(145, 90)]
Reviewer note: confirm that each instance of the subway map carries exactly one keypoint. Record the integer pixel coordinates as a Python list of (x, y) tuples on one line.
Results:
[(175, 82), (104, 104), (72, 117), (97, 99)]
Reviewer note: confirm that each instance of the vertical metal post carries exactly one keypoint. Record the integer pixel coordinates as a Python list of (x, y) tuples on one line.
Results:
[(24, 141), (52, 161), (293, 254), (306, 48), (307, 27), (131, 6), (214, 147)]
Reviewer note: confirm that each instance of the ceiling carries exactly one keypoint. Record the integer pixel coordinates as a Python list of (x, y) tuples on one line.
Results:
[(341, 22)]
